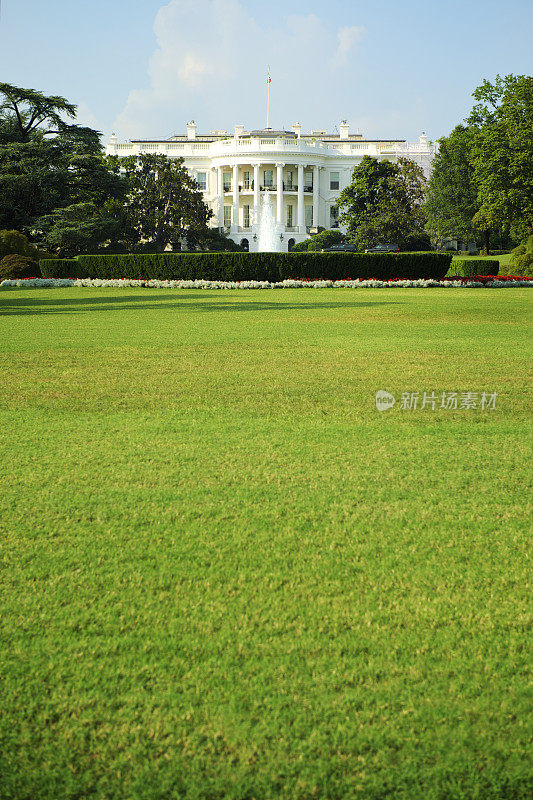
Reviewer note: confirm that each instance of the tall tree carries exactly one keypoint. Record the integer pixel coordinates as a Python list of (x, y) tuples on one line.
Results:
[(503, 153), (452, 191), (164, 202), (382, 204), (27, 111), (48, 165)]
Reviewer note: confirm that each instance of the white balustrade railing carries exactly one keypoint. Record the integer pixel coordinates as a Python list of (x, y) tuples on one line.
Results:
[(240, 146)]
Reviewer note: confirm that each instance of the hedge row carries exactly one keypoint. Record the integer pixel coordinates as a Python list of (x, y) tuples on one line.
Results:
[(251, 266), (60, 268), (466, 267)]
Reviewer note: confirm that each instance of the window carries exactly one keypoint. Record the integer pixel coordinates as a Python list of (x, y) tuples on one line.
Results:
[(227, 216), (246, 217), (333, 180), (290, 216), (246, 180), (308, 180), (269, 178), (333, 217), (227, 181), (290, 183), (201, 179), (309, 216)]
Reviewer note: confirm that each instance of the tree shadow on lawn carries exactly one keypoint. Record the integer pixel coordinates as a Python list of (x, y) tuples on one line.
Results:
[(30, 305)]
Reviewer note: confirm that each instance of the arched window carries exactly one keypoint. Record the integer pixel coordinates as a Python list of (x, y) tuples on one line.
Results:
[(245, 244), (290, 244)]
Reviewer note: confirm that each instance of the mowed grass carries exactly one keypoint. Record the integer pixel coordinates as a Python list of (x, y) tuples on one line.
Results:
[(225, 574)]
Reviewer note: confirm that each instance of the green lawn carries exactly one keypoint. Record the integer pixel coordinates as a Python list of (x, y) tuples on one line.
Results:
[(227, 575)]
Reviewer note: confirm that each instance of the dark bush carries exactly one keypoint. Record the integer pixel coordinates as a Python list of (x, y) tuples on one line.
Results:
[(15, 243), (468, 267), (60, 268), (252, 266), (521, 259), (15, 267)]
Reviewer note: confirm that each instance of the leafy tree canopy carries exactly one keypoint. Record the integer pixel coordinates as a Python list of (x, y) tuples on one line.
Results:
[(382, 203), (164, 203), (24, 111), (320, 241), (452, 191), (48, 165), (502, 153)]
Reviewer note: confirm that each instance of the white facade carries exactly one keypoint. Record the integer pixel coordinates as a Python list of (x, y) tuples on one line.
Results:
[(304, 172)]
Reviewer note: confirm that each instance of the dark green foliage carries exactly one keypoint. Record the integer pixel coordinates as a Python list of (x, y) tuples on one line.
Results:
[(320, 241), (17, 266), (212, 241), (77, 228), (252, 266), (49, 170), (452, 192), (164, 203), (26, 110), (14, 242), (502, 153), (522, 258), (417, 241), (60, 268), (468, 267), (383, 203)]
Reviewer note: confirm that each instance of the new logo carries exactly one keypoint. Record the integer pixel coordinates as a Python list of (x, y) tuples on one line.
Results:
[(384, 400)]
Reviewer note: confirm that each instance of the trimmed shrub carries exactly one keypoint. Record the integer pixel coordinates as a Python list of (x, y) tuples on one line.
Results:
[(253, 266), (60, 268), (522, 258), (16, 266), (468, 267)]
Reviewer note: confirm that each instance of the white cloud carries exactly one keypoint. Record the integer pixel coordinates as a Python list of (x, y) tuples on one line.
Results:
[(347, 37), (210, 64)]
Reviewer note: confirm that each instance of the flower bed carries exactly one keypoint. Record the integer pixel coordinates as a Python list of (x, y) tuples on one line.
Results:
[(478, 281)]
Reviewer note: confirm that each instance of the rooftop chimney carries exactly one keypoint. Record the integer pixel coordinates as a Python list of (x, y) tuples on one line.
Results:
[(297, 128), (344, 129), (239, 130), (191, 130), (423, 139)]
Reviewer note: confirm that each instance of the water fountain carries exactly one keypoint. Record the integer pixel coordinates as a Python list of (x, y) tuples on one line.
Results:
[(269, 241)]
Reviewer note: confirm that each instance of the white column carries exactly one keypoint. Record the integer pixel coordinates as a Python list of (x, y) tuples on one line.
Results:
[(279, 181), (256, 193), (235, 216), (316, 179), (220, 197), (301, 218)]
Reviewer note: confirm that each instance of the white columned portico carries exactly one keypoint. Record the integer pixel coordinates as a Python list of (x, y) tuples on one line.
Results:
[(256, 192), (220, 185), (279, 193), (235, 214), (316, 173), (301, 219)]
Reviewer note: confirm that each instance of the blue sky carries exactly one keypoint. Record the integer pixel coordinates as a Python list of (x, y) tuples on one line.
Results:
[(145, 67)]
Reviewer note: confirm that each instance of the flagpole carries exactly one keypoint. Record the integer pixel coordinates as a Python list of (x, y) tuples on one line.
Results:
[(268, 96)]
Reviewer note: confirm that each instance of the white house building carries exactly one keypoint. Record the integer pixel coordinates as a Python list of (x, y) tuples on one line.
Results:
[(304, 171)]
